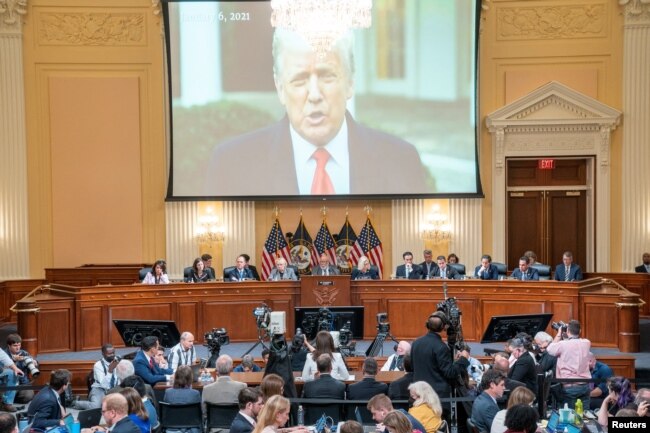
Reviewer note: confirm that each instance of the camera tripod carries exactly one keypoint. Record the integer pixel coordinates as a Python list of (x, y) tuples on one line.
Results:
[(377, 345), (261, 334)]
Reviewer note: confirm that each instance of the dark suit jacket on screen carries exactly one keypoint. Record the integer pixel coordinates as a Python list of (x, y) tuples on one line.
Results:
[(240, 424), (366, 389), (575, 273), (45, 409), (324, 387), (266, 156), (416, 272)]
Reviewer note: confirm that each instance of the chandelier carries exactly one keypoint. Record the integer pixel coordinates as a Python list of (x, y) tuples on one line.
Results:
[(436, 228), (321, 22), (208, 229)]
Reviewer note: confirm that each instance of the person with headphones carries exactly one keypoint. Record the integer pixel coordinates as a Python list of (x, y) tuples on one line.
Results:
[(432, 359)]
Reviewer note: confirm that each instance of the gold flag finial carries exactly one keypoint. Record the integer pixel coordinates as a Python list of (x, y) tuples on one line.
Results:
[(368, 209), (323, 211), (276, 211)]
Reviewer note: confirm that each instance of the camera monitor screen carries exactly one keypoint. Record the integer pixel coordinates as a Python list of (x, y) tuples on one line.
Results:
[(253, 106), (311, 320), (133, 331), (503, 328)]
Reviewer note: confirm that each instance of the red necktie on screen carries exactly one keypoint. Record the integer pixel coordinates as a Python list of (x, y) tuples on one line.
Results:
[(322, 183)]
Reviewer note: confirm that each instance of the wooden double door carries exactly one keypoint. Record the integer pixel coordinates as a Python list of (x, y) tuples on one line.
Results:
[(547, 210)]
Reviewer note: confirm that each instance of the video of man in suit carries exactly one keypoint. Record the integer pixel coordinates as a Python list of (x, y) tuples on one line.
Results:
[(264, 112)]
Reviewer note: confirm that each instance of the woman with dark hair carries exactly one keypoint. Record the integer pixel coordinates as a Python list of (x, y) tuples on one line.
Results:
[(137, 412), (158, 274), (620, 395), (182, 392), (199, 275), (524, 369), (325, 344), (272, 384), (521, 418), (453, 258)]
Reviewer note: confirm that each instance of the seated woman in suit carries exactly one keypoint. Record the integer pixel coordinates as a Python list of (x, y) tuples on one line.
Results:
[(137, 412), (199, 273), (158, 274), (426, 406), (325, 344), (364, 271)]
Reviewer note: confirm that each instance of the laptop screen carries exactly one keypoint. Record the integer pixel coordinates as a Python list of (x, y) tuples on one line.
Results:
[(68, 421), (553, 421)]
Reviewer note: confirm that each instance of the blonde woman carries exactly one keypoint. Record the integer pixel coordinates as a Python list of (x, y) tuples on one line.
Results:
[(364, 271), (274, 415), (426, 406)]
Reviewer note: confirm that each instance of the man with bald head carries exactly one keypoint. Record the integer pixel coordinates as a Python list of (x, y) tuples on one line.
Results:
[(395, 362), (224, 389), (115, 410), (183, 353), (324, 267)]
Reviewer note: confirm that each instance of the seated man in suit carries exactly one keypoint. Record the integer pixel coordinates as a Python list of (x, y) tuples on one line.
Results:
[(399, 389), (247, 364), (444, 271), (47, 408), (324, 267), (408, 269), (250, 267), (207, 264), (145, 364), (568, 271), (645, 267), (240, 272), (428, 266), (8, 423), (380, 405), (115, 410), (250, 405), (364, 271), (486, 270), (282, 272), (224, 389), (485, 406), (368, 387), (525, 272), (325, 386)]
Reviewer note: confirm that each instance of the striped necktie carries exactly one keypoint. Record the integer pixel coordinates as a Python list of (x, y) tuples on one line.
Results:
[(566, 273)]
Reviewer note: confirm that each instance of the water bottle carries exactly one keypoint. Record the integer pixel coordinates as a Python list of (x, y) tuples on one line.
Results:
[(579, 412), (301, 415)]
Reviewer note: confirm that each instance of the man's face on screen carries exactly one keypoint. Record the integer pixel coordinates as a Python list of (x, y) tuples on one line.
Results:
[(313, 90)]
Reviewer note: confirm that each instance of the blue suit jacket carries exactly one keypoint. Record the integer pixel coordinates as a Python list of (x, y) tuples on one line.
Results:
[(531, 274), (233, 275), (45, 409), (492, 273), (575, 273), (240, 425), (416, 272), (483, 411), (148, 374)]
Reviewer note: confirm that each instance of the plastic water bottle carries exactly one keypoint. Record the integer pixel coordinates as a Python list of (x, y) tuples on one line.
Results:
[(301, 415), (579, 412)]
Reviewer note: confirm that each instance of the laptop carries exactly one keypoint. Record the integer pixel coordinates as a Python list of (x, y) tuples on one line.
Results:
[(553, 421), (68, 422), (196, 369), (90, 417), (366, 428)]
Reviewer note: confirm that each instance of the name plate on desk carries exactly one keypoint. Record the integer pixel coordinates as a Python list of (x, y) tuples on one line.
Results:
[(325, 283)]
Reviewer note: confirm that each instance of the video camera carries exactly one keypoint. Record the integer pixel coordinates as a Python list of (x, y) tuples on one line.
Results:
[(346, 345), (320, 322), (216, 338), (382, 325), (262, 316), (454, 330)]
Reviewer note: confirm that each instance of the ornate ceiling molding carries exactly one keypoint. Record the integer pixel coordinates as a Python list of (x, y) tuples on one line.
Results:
[(10, 10), (84, 28), (636, 11)]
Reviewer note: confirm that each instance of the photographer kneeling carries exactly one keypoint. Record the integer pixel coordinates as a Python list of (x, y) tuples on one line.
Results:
[(25, 363), (572, 354)]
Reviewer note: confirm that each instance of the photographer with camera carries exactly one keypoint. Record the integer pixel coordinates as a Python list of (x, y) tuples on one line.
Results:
[(572, 354), (432, 358), (9, 374), (26, 363), (298, 351), (104, 378)]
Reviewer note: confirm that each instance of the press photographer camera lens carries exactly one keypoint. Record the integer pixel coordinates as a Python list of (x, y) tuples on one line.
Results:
[(325, 319), (559, 326), (216, 338), (31, 366)]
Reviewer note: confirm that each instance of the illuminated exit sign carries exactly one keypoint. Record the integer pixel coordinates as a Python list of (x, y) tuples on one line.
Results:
[(546, 164)]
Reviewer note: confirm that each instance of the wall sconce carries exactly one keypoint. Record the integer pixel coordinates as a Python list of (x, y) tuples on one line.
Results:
[(436, 228), (209, 230)]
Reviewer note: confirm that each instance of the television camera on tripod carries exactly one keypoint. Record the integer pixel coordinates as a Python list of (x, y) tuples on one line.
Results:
[(213, 341), (383, 332)]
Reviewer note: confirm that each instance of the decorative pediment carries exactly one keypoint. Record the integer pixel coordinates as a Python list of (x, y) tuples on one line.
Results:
[(553, 104)]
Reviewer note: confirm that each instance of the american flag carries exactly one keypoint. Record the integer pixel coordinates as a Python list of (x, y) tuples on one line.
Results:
[(302, 255), (345, 243), (369, 245), (325, 244), (275, 246)]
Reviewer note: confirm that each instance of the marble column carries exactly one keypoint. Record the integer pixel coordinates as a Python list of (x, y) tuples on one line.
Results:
[(467, 234), (407, 217)]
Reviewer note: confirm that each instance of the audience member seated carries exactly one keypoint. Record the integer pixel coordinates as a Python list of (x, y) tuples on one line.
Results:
[(396, 360), (250, 267), (137, 412), (104, 378), (199, 274), (144, 363), (520, 395), (325, 386), (9, 424), (642, 402), (224, 389), (325, 345), (46, 409), (599, 370), (240, 272), (620, 397), (486, 270), (364, 271), (272, 384), (567, 270), (408, 270), (429, 265), (282, 271), (351, 427), (123, 370), (399, 389), (298, 351), (485, 406), (250, 405), (475, 368), (502, 364), (645, 266), (324, 267), (545, 361), (9, 374), (368, 387), (445, 272), (521, 418), (426, 406), (523, 369), (146, 394), (158, 274), (182, 392), (24, 361), (247, 365), (265, 357), (524, 272), (274, 415), (183, 353), (453, 258), (397, 422), (380, 406), (115, 411)]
